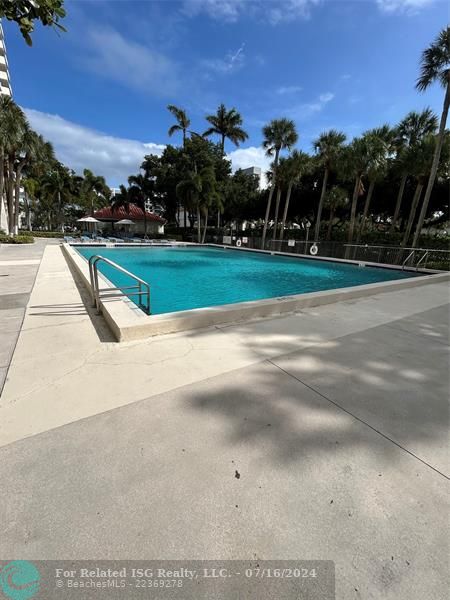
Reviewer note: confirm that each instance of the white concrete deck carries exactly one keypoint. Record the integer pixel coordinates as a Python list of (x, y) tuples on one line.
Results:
[(336, 418)]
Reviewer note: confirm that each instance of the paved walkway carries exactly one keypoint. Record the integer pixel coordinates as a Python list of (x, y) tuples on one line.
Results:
[(18, 268), (334, 418)]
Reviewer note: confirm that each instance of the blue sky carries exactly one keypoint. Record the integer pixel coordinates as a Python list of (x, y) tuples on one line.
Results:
[(99, 92)]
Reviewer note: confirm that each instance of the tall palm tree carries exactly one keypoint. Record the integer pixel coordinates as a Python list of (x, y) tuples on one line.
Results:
[(94, 190), (188, 191), (278, 135), (335, 198), (410, 131), (355, 162), (435, 67), (183, 121), (33, 148), (420, 158), (141, 190), (57, 188), (298, 164), (12, 128), (328, 146), (226, 124), (380, 145)]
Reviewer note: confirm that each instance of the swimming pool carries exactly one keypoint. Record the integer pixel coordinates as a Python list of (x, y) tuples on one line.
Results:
[(188, 277)]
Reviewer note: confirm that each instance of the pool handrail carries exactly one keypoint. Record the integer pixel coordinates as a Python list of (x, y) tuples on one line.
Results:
[(93, 274)]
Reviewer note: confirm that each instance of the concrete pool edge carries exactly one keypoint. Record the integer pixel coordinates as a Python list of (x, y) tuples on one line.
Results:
[(128, 322)]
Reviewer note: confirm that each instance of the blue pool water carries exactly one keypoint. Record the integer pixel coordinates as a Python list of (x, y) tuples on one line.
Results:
[(182, 278)]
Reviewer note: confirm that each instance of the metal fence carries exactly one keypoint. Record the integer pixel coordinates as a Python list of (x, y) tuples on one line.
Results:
[(421, 258)]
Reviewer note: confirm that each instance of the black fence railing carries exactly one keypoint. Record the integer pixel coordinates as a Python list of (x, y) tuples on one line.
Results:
[(420, 258)]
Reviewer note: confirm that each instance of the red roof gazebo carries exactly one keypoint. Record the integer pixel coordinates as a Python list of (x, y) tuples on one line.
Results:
[(134, 213)]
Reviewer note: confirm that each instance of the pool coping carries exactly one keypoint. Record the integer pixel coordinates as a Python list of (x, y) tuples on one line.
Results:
[(128, 322)]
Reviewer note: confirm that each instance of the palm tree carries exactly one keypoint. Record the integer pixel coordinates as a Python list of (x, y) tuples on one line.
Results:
[(141, 190), (183, 122), (94, 190), (435, 67), (335, 198), (355, 162), (33, 148), (57, 188), (298, 164), (12, 128), (188, 191), (410, 131), (226, 124), (328, 146), (278, 134), (380, 145), (420, 159)]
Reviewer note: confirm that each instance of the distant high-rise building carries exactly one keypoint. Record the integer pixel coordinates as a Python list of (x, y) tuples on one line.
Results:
[(5, 88), (252, 171), (5, 82)]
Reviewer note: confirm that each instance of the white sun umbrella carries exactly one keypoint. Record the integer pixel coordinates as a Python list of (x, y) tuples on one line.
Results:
[(88, 220), (125, 222)]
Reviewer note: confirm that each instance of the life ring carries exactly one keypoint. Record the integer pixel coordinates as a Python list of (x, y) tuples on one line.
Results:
[(314, 249), (238, 243)]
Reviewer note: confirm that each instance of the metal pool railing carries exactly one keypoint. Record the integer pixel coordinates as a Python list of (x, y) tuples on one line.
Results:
[(416, 258), (129, 290)]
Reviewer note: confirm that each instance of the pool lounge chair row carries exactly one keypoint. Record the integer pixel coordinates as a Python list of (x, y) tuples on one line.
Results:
[(84, 239)]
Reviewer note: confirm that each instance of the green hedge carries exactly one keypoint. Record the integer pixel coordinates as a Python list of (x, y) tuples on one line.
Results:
[(43, 234), (18, 239)]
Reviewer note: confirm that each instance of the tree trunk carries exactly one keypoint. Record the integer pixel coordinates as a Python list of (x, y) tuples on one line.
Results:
[(17, 195), (10, 195), (353, 209), (223, 145), (321, 202), (365, 211), (269, 199), (435, 165), (204, 228), (2, 179), (199, 225), (398, 203), (412, 212), (277, 208), (330, 223), (286, 208)]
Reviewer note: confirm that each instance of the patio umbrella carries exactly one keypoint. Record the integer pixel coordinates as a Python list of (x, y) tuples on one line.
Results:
[(88, 220), (125, 222)]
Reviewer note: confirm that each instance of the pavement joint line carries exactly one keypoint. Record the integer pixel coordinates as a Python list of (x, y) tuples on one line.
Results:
[(360, 420)]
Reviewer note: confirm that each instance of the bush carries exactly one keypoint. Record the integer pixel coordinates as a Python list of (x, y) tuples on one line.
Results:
[(43, 234), (18, 239)]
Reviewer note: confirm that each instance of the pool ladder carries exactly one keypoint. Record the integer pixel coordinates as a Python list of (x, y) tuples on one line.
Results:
[(141, 289), (411, 255)]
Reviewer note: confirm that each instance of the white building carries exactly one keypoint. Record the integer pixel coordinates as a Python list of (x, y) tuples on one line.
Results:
[(253, 171), (5, 82), (5, 89)]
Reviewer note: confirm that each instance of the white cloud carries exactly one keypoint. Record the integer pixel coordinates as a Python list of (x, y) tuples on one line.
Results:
[(80, 147), (242, 158), (116, 158), (303, 111), (402, 6), (232, 62), (130, 63), (288, 89), (230, 11)]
